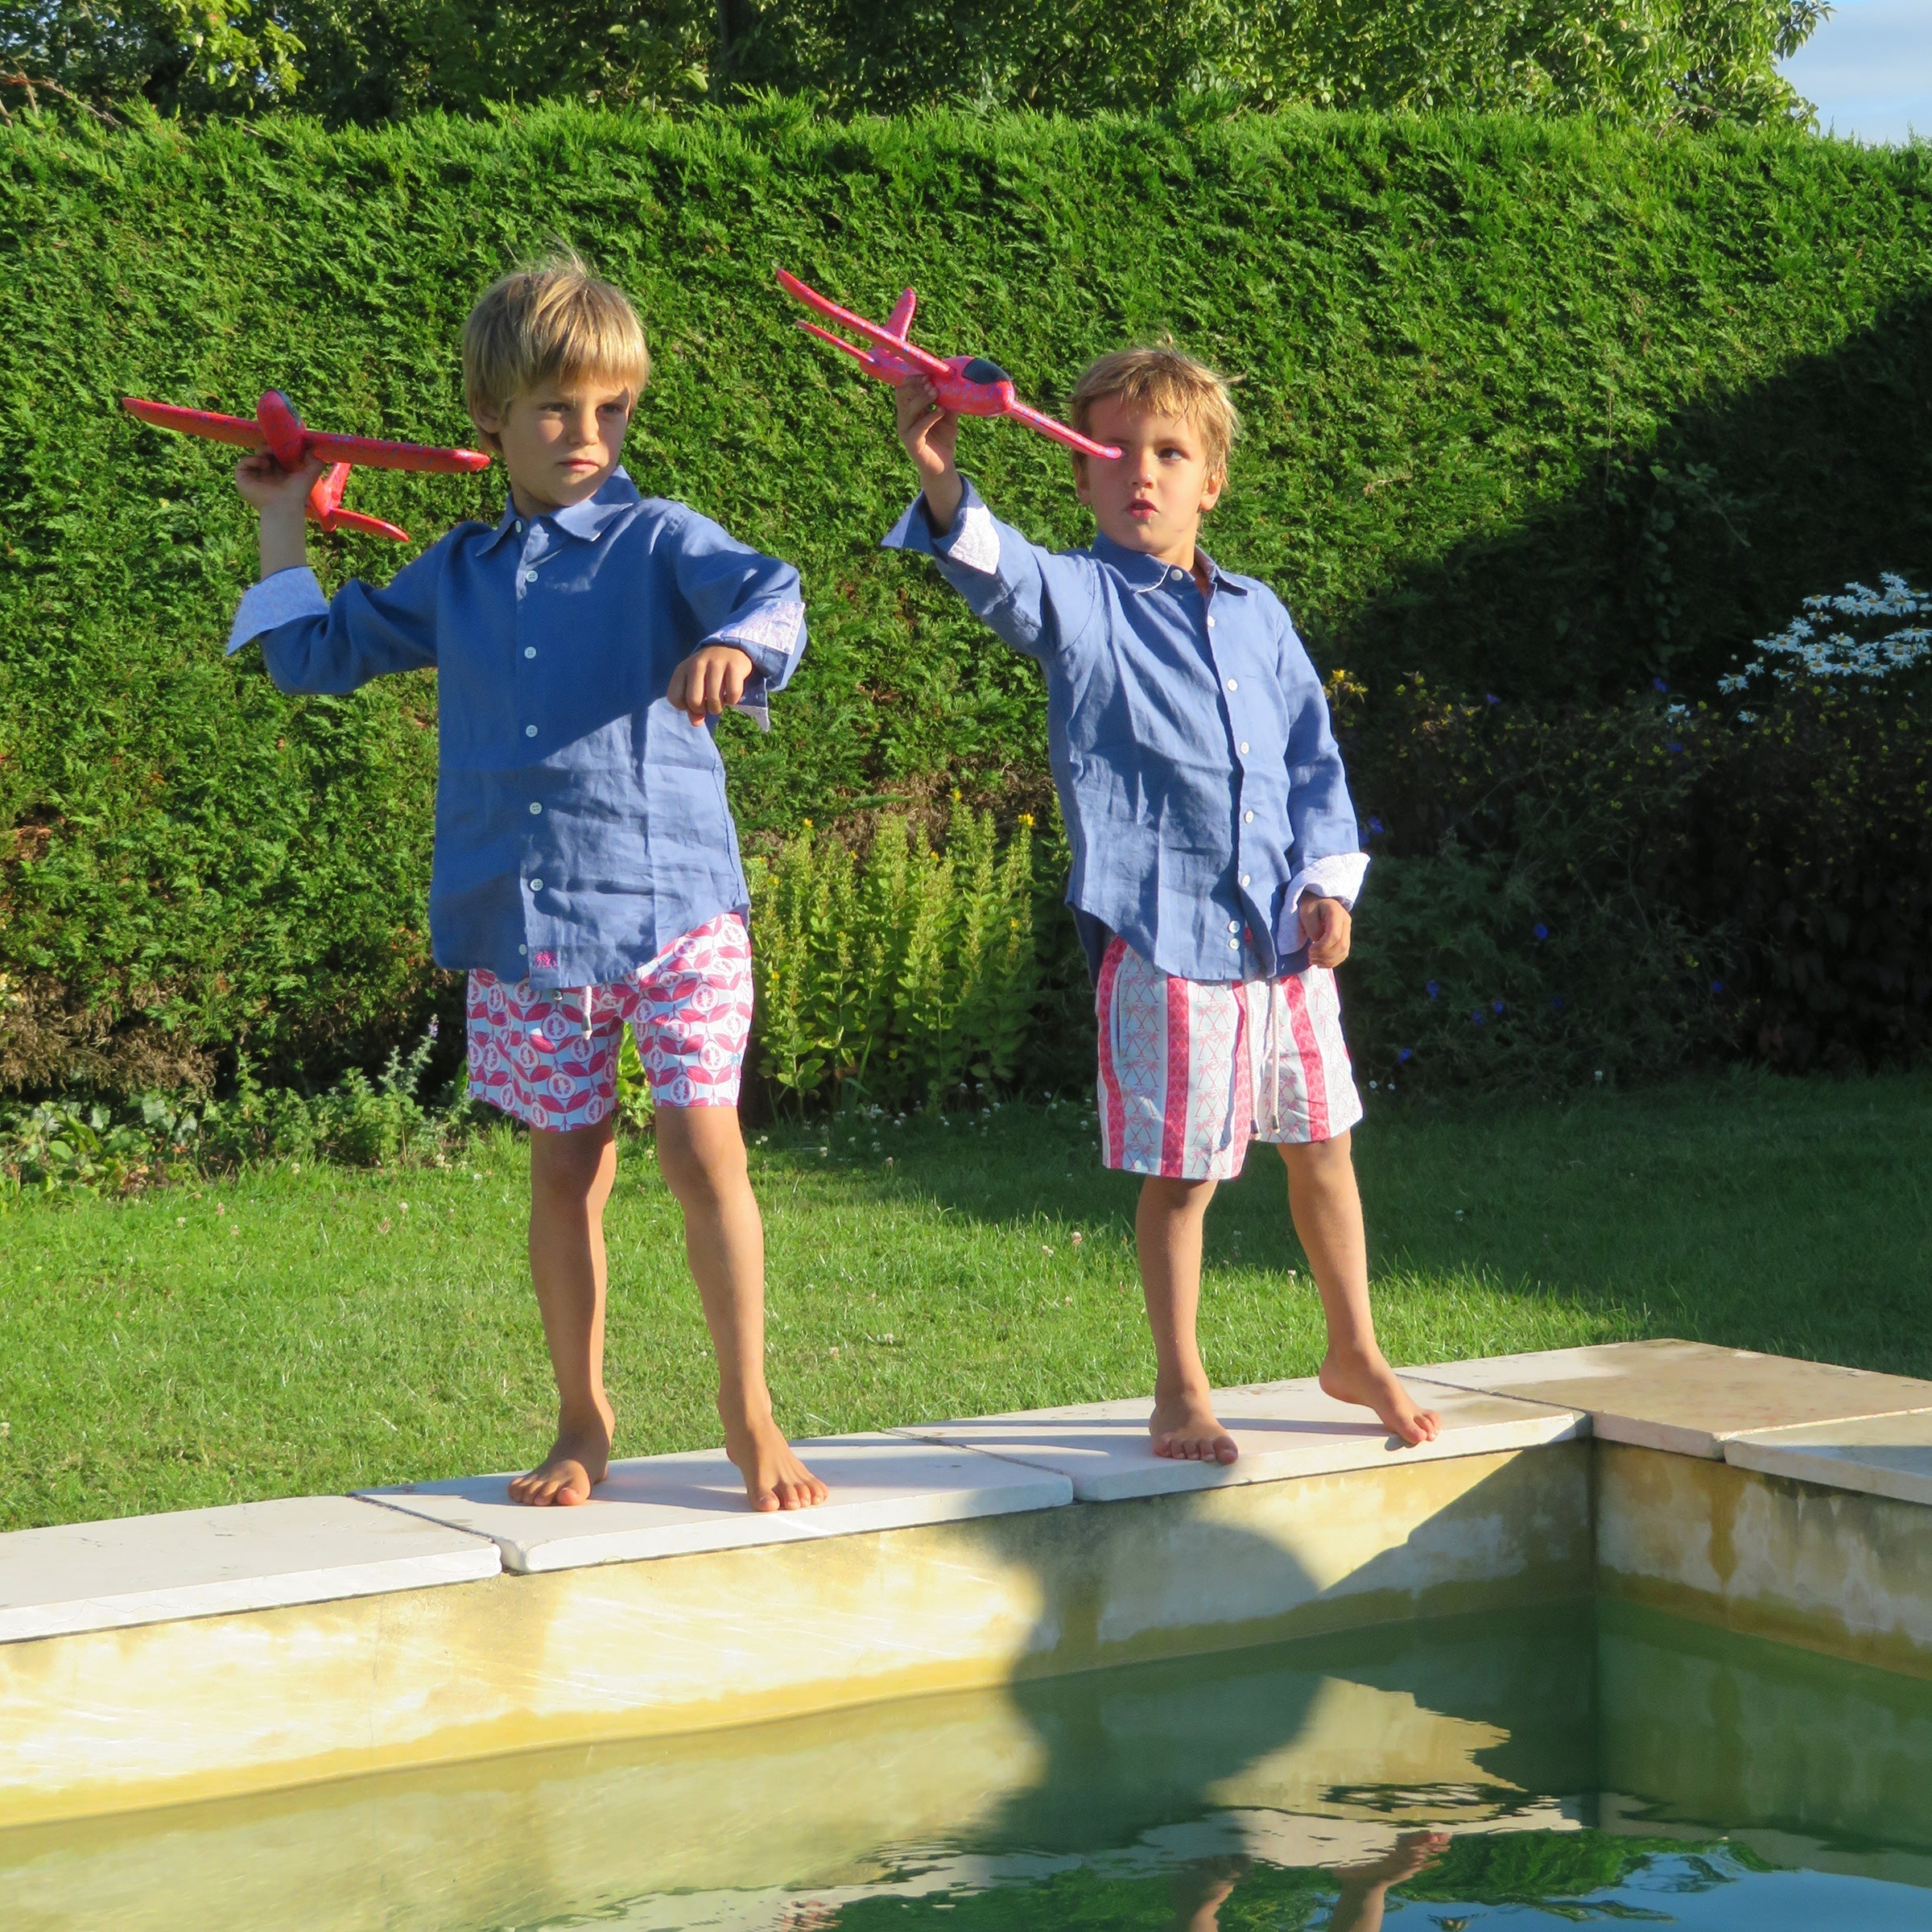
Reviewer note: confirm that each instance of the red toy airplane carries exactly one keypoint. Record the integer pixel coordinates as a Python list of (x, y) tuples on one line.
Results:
[(278, 429), (968, 385)]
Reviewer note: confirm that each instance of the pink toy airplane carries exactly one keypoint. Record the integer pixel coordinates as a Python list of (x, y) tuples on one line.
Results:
[(968, 385), (278, 429)]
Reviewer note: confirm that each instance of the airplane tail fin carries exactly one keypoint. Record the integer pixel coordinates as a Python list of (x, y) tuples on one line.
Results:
[(903, 311)]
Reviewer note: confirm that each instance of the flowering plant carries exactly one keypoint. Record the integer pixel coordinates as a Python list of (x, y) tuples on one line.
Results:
[(1808, 650)]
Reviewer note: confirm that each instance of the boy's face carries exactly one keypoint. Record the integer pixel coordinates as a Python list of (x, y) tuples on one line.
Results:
[(560, 440), (1150, 498)]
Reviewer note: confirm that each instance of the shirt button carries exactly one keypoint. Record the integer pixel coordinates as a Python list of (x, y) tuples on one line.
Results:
[(1210, 623), (1244, 748), (523, 949), (1234, 945), (535, 808), (536, 885), (1232, 686), (519, 527), (530, 576), (1243, 878), (530, 650), (1178, 575), (1247, 817), (530, 731), (1234, 925)]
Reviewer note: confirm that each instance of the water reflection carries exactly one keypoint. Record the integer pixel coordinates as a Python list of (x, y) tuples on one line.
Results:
[(1547, 1763)]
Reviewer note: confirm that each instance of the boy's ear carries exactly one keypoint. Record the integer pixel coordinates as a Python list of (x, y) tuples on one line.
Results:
[(488, 420), (1081, 486), (1211, 491)]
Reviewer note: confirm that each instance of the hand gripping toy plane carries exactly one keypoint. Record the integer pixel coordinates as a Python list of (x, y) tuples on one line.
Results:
[(968, 385), (278, 429)]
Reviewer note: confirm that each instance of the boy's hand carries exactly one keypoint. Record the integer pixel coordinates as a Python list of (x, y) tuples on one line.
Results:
[(281, 496), (710, 681), (1326, 925), (931, 436)]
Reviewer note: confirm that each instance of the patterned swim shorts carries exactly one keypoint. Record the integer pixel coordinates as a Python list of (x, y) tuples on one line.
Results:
[(1191, 1072), (549, 1055)]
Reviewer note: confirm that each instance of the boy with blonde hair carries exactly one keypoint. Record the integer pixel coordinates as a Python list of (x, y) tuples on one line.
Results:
[(586, 872), (1216, 856)]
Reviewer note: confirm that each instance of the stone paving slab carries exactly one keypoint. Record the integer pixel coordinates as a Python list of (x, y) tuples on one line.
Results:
[(1688, 1397), (1878, 1456), (1281, 1429), (209, 1562), (677, 1505)]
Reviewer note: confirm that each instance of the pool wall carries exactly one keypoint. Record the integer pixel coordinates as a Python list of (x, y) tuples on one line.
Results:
[(1016, 1580)]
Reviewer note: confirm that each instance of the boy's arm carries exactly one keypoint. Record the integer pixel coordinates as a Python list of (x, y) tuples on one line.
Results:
[(309, 644), (749, 615), (1327, 861), (1037, 601)]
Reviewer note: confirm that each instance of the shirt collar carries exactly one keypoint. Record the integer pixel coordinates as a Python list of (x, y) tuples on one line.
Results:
[(587, 519), (1144, 573)]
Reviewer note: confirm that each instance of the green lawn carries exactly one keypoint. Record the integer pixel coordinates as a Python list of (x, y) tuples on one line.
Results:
[(294, 1332)]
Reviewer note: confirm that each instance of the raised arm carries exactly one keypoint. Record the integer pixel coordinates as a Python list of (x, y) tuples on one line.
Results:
[(308, 643), (1038, 602)]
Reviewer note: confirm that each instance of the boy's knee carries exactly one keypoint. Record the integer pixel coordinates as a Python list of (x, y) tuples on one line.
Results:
[(700, 1153), (1315, 1160), (569, 1163)]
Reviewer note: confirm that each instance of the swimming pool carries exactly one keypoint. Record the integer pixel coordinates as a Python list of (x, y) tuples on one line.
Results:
[(1588, 1762)]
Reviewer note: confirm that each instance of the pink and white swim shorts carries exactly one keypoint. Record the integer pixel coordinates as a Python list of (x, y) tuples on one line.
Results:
[(549, 1055), (1191, 1071)]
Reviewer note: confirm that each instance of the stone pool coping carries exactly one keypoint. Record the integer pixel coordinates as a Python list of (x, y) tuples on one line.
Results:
[(1814, 1422), (155, 1659)]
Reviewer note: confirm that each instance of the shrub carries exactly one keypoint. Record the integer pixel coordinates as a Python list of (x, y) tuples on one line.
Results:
[(902, 980), (1540, 408)]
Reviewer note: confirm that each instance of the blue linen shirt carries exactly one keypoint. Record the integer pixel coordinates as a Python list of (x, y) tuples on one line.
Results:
[(1201, 785), (581, 823)]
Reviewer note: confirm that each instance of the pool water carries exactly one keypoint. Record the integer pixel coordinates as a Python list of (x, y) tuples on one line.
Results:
[(1583, 1764)]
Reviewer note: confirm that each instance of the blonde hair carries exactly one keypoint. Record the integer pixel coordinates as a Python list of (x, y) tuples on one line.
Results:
[(555, 319), (1160, 381)]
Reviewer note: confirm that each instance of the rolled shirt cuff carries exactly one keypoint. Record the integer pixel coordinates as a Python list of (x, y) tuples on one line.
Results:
[(274, 601), (971, 540), (772, 637), (1338, 876)]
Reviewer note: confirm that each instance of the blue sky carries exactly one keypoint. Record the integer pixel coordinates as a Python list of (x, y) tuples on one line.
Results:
[(1869, 69)]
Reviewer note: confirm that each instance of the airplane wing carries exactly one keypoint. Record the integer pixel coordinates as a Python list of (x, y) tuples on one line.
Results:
[(372, 452), (243, 431), (878, 336), (1060, 433)]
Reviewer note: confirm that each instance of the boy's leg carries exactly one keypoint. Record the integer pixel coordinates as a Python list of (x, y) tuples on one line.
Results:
[(570, 1179), (1327, 1214), (1167, 1231), (702, 1153)]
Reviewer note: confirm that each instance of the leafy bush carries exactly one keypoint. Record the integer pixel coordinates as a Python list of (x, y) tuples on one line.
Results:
[(1659, 60), (69, 1147), (1542, 409), (900, 981), (1616, 895)]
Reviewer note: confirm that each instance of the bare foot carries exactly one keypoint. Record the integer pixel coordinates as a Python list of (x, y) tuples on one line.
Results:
[(579, 1460), (1185, 1427), (774, 1478), (1410, 1854), (1368, 1379)]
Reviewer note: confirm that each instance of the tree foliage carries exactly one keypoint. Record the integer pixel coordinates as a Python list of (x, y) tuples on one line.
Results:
[(1661, 62)]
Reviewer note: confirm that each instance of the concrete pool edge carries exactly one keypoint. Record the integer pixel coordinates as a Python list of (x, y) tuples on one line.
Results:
[(239, 1700)]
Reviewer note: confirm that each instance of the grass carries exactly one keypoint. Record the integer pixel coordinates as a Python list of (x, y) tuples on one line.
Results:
[(294, 1332)]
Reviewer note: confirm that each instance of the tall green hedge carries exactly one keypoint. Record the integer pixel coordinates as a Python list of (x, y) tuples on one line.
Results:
[(1539, 409)]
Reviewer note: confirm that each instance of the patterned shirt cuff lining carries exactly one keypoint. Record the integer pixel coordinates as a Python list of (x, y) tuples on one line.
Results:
[(1337, 877), (276, 601), (976, 545)]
